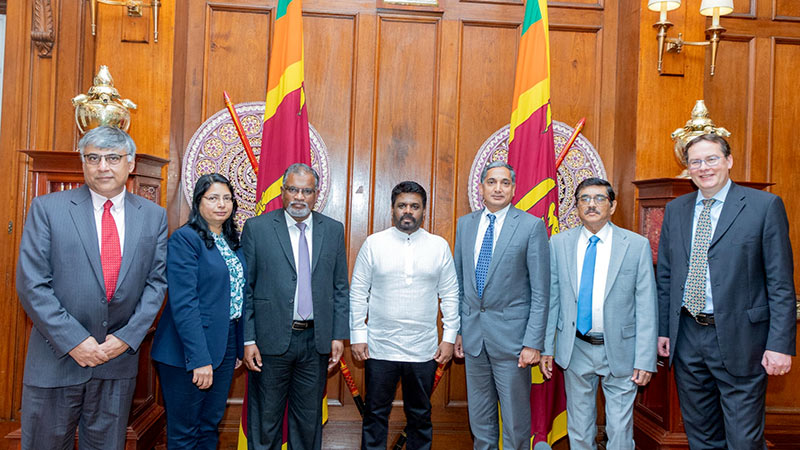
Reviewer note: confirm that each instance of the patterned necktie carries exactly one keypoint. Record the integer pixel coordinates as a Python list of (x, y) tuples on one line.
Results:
[(485, 256), (587, 286), (110, 254), (304, 304), (694, 298)]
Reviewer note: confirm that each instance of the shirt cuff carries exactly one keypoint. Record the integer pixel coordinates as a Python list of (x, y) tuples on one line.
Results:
[(449, 336), (358, 336), (249, 342)]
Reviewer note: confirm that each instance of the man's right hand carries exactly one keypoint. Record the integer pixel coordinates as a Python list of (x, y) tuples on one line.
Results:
[(88, 353), (252, 358), (360, 352), (458, 350), (663, 346), (546, 366)]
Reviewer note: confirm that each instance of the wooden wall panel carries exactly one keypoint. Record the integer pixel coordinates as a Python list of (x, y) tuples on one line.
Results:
[(484, 98), (729, 98), (782, 154), (576, 67), (786, 10), (236, 56), (405, 108)]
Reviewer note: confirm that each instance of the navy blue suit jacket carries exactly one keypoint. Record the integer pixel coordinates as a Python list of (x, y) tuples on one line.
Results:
[(193, 330), (752, 276)]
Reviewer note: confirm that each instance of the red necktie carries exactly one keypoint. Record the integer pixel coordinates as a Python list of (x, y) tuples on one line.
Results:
[(110, 255)]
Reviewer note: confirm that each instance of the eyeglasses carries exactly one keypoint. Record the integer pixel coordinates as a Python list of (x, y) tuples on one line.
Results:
[(112, 159), (217, 198), (295, 190), (598, 199), (711, 161)]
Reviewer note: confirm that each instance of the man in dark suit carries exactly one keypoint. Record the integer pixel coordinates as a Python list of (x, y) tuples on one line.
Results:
[(726, 300), (503, 267), (296, 313), (90, 275)]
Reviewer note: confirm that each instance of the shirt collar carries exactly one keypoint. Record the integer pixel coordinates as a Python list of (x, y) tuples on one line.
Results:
[(290, 222), (603, 234), (720, 196), (403, 235), (498, 215), (98, 200)]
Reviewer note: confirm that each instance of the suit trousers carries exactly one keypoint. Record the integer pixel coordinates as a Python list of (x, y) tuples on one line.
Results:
[(381, 378), (720, 411), (98, 408), (193, 415), (589, 364), (298, 378), (492, 380)]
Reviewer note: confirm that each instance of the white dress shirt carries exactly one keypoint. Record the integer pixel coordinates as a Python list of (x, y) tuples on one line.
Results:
[(294, 237), (117, 212), (499, 220), (602, 259), (397, 281)]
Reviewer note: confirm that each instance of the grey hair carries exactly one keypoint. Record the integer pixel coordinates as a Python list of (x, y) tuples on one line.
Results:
[(105, 137), (495, 164), (300, 168)]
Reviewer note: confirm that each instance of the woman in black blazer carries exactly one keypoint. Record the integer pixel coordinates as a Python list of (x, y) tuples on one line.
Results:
[(198, 342)]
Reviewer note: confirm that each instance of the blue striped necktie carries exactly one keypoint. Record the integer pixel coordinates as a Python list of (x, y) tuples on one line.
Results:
[(485, 256)]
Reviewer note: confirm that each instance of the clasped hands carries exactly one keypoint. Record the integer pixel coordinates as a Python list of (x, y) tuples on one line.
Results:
[(91, 354)]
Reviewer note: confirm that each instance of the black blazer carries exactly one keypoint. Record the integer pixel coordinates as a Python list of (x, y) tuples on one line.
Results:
[(752, 276), (272, 281)]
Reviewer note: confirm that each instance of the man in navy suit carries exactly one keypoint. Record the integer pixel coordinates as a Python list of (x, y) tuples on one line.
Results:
[(91, 276), (726, 293)]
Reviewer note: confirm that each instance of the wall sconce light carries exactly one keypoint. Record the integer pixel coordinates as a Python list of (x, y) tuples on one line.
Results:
[(134, 8), (713, 8)]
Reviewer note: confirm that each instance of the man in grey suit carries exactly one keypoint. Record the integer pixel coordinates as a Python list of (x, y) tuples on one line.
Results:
[(503, 268), (602, 320), (296, 313), (727, 300), (91, 277)]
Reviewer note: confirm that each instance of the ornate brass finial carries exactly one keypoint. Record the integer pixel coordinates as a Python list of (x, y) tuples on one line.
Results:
[(698, 125), (102, 105)]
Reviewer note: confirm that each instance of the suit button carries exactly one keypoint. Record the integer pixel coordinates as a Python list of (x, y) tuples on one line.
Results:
[(483, 309), (103, 301), (291, 300), (294, 277), (105, 324)]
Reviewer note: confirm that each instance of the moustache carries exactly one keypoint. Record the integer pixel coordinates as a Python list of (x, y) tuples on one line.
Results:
[(298, 203), (591, 209), (408, 216)]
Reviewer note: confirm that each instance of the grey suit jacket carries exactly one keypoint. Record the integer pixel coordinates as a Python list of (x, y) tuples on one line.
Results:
[(752, 276), (60, 285), (630, 311), (513, 310), (272, 282)]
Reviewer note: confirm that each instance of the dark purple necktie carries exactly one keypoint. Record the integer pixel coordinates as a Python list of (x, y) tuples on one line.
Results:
[(304, 305)]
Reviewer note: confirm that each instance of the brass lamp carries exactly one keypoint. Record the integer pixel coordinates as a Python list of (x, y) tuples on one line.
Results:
[(713, 8), (134, 8)]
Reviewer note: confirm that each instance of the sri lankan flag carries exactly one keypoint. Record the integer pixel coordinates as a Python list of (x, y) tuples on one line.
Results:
[(284, 139), (531, 153)]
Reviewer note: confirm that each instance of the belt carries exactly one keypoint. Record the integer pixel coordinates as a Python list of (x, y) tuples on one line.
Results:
[(594, 339), (701, 318), (302, 324)]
